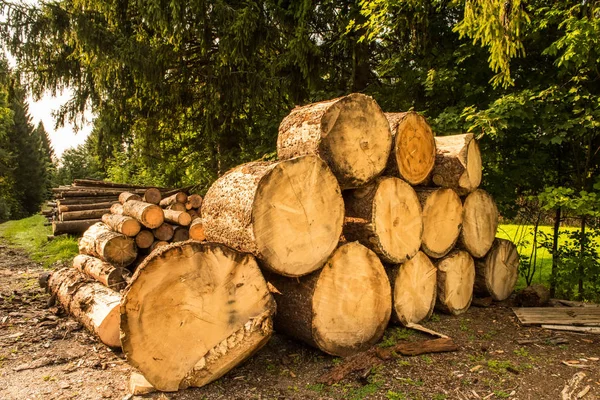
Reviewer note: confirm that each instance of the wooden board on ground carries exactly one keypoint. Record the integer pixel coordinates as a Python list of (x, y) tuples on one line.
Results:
[(583, 316)]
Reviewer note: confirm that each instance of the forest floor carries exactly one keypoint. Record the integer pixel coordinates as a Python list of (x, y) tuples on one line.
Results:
[(44, 354)]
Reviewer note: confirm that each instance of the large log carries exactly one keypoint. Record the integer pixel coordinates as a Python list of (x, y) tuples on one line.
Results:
[(101, 271), (152, 195), (413, 149), (149, 215), (498, 272), (457, 163), (86, 200), (288, 213), (414, 289), (197, 230), (85, 214), (455, 280), (480, 222), (341, 309), (127, 196), (350, 133), (442, 220), (82, 207), (72, 227), (123, 224), (179, 197), (177, 217), (101, 242), (386, 217), (192, 312), (91, 303)]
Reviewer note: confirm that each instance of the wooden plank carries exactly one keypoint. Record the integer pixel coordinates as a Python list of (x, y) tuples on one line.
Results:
[(581, 316), (583, 329)]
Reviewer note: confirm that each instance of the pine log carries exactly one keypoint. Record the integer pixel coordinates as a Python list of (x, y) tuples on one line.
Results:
[(455, 280), (101, 271), (82, 207), (385, 216), (86, 214), (149, 215), (177, 217), (414, 289), (163, 232), (91, 303), (116, 209), (157, 244), (86, 200), (123, 224), (197, 230), (72, 227), (480, 222), (179, 207), (442, 220), (342, 309), (180, 234), (203, 291), (413, 148), (179, 197), (350, 133), (289, 213), (144, 239), (152, 196), (101, 242), (497, 273), (193, 201), (127, 196), (457, 163)]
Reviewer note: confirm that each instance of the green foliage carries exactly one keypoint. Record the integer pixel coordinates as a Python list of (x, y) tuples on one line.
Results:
[(393, 335)]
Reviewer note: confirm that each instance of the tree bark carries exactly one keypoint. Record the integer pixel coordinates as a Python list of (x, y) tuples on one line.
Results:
[(72, 227), (455, 280), (457, 163), (497, 273), (442, 220), (121, 223), (83, 207), (87, 200), (157, 244), (149, 215), (179, 197), (480, 223), (86, 214), (101, 271), (116, 209), (101, 242), (127, 196)]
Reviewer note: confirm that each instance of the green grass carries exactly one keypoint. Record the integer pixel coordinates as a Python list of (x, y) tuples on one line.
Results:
[(31, 235)]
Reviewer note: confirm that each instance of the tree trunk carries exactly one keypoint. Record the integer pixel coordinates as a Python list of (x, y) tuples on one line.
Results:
[(101, 242), (163, 232), (83, 207), (203, 291), (554, 272), (413, 148), (497, 273), (179, 197), (101, 271), (350, 133), (197, 230), (72, 227), (581, 267), (455, 280), (144, 239), (86, 214), (288, 213), (177, 217), (343, 308), (442, 220), (152, 196), (121, 223), (149, 215), (126, 196), (414, 289), (457, 163), (92, 304), (181, 234), (480, 223), (193, 201), (87, 200), (386, 217)]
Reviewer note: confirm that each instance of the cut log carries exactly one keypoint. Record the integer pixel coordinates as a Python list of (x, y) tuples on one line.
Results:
[(414, 289), (193, 201), (194, 214), (101, 183), (179, 197), (480, 222), (149, 215), (455, 279), (152, 196), (342, 309), (158, 243), (101, 242), (177, 217), (179, 207), (163, 232), (498, 272), (123, 224), (536, 295), (457, 163), (87, 200), (181, 234), (350, 133), (126, 196), (203, 291), (386, 217), (413, 148), (116, 209), (86, 214), (82, 207), (144, 239), (91, 303), (101, 271), (74, 194), (288, 213), (72, 227), (442, 220), (197, 230)]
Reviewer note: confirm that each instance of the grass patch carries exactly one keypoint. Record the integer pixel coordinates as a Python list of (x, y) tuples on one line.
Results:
[(30, 234)]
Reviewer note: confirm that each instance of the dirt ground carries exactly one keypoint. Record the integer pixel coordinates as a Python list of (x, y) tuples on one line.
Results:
[(46, 355)]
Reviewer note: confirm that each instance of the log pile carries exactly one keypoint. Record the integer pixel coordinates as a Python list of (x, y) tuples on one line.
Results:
[(365, 218)]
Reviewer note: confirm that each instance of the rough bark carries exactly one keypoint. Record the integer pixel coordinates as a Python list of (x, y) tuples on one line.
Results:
[(455, 280), (101, 242), (288, 213), (144, 239), (163, 232), (181, 218), (442, 220), (197, 230), (413, 147), (497, 273), (179, 197), (386, 217), (342, 309), (457, 163), (203, 291), (480, 222), (85, 214), (149, 215), (116, 209), (123, 224), (127, 196), (82, 207), (152, 196), (72, 227), (350, 133), (86, 200), (101, 271)]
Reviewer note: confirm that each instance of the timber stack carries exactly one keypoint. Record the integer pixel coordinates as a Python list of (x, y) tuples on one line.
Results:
[(365, 218)]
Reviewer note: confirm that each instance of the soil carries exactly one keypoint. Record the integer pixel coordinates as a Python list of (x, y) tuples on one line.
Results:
[(45, 354)]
